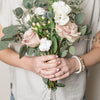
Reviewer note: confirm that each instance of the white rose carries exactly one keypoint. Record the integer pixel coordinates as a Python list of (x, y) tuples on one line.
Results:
[(39, 11), (61, 11), (45, 44)]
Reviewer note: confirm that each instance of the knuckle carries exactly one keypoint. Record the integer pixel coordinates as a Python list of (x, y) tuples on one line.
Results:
[(56, 64), (53, 56), (68, 73)]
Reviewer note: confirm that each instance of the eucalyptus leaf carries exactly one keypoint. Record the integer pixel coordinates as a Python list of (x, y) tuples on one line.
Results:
[(60, 85), (18, 12), (72, 50), (64, 53), (63, 48), (50, 15), (3, 45), (45, 80), (54, 44), (30, 51), (41, 3), (11, 30), (28, 3), (8, 38), (23, 51), (79, 2), (83, 29), (89, 31), (79, 18)]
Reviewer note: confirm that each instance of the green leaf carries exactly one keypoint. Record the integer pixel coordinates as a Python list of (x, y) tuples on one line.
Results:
[(50, 15), (28, 3), (79, 2), (72, 50), (30, 51), (64, 47), (69, 43), (8, 38), (45, 80), (64, 53), (37, 52), (54, 44), (3, 45), (83, 29), (11, 30), (79, 18), (18, 12), (60, 85), (23, 51), (89, 31)]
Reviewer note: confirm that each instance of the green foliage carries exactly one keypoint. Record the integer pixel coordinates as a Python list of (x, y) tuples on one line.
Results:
[(23, 51), (28, 3), (79, 18), (79, 2), (8, 38), (72, 50), (64, 53), (30, 51), (41, 3), (18, 12), (45, 80), (54, 44), (83, 29), (37, 52), (89, 31), (11, 30), (3, 45), (50, 15), (60, 85), (63, 48)]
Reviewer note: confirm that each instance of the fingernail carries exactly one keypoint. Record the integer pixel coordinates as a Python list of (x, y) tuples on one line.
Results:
[(53, 76), (56, 56), (58, 69), (59, 62)]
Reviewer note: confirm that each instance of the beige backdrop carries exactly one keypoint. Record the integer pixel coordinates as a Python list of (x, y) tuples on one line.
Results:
[(93, 84)]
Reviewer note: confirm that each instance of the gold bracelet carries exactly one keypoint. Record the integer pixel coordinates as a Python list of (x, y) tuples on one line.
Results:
[(83, 64)]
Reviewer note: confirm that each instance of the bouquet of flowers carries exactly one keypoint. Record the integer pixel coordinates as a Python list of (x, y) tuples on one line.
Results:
[(47, 27)]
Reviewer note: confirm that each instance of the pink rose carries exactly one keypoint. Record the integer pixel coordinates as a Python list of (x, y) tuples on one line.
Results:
[(30, 38), (68, 31)]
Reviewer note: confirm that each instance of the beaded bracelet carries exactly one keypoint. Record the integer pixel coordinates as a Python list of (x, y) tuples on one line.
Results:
[(81, 64)]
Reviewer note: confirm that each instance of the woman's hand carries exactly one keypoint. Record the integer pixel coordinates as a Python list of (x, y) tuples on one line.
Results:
[(43, 66), (67, 67)]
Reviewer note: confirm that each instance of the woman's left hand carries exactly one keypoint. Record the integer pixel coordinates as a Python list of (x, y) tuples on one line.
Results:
[(66, 68)]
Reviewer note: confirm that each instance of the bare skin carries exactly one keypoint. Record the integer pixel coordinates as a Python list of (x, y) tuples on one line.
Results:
[(59, 67), (69, 66)]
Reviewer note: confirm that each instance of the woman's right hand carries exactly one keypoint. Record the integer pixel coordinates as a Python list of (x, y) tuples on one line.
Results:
[(40, 65)]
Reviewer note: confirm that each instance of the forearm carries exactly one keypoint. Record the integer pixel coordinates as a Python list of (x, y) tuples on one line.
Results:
[(92, 58), (12, 58)]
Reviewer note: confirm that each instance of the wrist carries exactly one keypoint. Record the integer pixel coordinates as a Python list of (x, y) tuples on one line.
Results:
[(77, 66), (25, 63)]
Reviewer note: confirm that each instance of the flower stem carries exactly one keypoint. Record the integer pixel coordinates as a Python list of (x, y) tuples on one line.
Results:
[(59, 46)]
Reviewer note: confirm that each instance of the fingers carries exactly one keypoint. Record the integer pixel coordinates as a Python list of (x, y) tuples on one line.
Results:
[(60, 77), (54, 61), (48, 57), (49, 66), (50, 72)]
